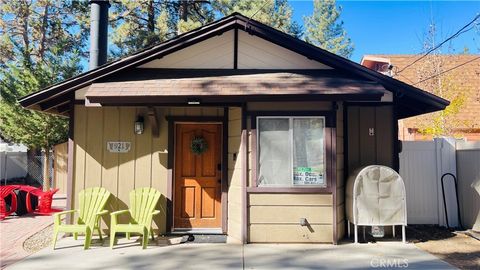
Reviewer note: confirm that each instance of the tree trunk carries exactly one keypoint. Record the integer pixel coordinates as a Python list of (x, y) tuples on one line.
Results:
[(184, 10), (46, 169)]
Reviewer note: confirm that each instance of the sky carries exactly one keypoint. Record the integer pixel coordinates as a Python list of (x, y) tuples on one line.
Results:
[(398, 27)]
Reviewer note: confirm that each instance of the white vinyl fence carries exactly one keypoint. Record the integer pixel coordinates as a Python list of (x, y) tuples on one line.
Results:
[(13, 160), (422, 164)]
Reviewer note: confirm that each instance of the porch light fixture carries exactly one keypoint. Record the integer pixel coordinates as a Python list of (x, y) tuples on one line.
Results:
[(139, 125), (193, 102)]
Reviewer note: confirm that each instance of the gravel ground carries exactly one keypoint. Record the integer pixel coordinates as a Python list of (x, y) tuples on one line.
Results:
[(38, 241)]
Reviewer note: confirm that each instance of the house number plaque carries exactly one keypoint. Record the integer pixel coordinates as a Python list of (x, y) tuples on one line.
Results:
[(118, 147)]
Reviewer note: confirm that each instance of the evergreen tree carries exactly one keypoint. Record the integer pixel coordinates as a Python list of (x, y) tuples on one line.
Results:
[(323, 28), (140, 24), (41, 43), (275, 13)]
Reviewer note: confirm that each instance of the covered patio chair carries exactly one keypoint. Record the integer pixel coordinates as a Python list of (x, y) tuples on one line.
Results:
[(92, 202), (142, 210)]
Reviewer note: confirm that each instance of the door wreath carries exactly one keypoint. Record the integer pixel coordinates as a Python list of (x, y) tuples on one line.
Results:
[(199, 145)]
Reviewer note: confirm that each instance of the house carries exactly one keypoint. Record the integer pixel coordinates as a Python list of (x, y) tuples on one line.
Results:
[(247, 131), (463, 73)]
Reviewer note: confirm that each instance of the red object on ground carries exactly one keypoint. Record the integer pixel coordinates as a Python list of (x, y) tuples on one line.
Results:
[(5, 191), (45, 199)]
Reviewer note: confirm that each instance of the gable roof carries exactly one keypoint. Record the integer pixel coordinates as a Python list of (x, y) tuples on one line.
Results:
[(411, 100)]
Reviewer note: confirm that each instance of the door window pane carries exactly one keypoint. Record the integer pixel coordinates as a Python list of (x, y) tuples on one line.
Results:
[(274, 152)]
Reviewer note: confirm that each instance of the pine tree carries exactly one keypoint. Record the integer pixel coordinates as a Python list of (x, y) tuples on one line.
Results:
[(140, 24), (275, 13), (323, 28), (41, 43)]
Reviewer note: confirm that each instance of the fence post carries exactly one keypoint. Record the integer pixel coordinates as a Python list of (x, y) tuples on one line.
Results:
[(445, 149)]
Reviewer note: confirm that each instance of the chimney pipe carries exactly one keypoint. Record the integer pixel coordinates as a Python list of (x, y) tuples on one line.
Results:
[(98, 32)]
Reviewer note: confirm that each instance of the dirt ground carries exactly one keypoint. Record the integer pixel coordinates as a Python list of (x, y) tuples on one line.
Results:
[(456, 248)]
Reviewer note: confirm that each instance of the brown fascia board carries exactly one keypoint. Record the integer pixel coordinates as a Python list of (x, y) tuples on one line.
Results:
[(253, 27)]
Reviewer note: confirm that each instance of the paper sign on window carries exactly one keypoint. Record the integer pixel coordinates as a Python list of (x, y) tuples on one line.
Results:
[(118, 147), (307, 176)]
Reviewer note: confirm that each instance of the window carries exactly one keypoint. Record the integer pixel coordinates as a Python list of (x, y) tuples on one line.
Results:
[(291, 151)]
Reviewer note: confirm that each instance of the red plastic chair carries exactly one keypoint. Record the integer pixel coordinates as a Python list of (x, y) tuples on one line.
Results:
[(45, 199), (5, 191)]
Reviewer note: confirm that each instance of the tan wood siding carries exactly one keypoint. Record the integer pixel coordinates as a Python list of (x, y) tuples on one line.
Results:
[(110, 160), (257, 53), (274, 233), (60, 167), (145, 165), (276, 217), (235, 173), (216, 52)]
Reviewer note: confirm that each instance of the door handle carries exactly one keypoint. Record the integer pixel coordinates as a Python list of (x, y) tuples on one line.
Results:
[(219, 166), (219, 181)]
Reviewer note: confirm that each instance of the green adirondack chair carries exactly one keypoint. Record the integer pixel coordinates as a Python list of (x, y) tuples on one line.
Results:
[(92, 203), (142, 210)]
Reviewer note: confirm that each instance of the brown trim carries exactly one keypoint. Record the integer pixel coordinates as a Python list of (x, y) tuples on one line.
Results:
[(396, 141), (163, 104), (224, 145), (368, 104), (172, 118), (244, 157), (329, 115), (170, 163), (307, 190), (253, 139), (152, 116), (70, 157), (235, 48), (54, 102), (151, 100), (64, 108), (333, 172), (345, 140), (223, 120)]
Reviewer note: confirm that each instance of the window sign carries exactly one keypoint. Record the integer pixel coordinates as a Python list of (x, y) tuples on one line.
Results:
[(307, 176)]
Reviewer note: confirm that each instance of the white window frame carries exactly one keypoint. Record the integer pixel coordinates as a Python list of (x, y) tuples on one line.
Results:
[(290, 133)]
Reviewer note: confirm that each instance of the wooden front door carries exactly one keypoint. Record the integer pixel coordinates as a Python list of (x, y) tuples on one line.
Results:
[(197, 199)]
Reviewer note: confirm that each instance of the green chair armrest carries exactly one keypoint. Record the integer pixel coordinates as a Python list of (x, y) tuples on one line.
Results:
[(156, 212), (57, 217), (103, 212), (119, 212), (64, 212)]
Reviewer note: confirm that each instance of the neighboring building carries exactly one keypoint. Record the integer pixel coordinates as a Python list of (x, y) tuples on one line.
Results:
[(247, 131), (466, 77)]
